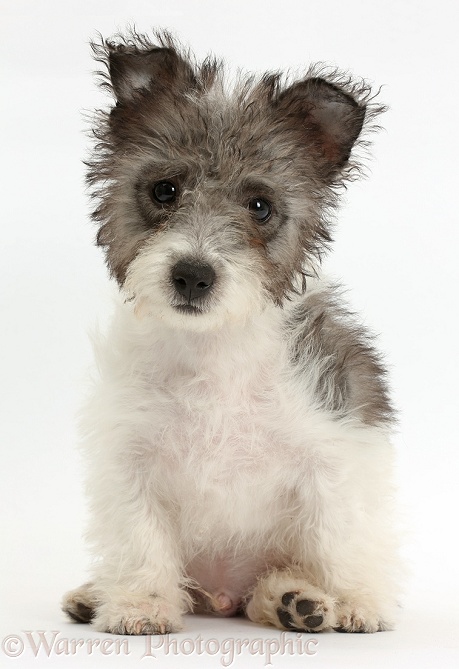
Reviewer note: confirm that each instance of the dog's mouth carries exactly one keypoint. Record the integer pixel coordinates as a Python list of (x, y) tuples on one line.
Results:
[(188, 309)]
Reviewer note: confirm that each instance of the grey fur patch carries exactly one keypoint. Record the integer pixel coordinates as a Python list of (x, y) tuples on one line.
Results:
[(351, 378), (79, 612)]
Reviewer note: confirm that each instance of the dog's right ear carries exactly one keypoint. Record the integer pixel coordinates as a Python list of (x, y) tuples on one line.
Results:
[(326, 117), (140, 67)]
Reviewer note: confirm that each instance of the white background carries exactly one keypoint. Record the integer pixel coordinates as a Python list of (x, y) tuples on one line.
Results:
[(396, 249)]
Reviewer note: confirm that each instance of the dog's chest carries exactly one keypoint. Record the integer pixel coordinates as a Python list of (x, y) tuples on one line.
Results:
[(222, 443), (231, 467), (225, 425), (222, 428)]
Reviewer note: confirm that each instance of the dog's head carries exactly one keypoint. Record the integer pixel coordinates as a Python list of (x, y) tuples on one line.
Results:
[(212, 204)]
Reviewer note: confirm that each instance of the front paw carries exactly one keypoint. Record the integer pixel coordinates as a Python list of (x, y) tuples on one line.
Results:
[(299, 613), (288, 601), (147, 615)]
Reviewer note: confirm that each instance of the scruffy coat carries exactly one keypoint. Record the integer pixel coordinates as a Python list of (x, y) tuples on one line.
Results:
[(238, 439)]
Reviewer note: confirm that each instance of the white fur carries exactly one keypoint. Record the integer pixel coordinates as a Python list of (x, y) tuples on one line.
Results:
[(211, 465)]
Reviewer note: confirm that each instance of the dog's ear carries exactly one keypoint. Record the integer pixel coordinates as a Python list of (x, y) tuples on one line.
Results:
[(327, 118), (134, 69)]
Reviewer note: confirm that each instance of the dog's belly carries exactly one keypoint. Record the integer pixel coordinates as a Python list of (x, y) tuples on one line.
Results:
[(224, 581)]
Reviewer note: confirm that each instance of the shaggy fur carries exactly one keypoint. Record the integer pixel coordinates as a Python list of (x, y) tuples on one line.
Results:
[(238, 439)]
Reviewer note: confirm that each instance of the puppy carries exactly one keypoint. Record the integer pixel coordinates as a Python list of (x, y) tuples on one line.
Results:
[(238, 439)]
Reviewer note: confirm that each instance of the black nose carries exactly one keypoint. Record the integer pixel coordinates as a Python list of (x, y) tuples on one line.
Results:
[(192, 279)]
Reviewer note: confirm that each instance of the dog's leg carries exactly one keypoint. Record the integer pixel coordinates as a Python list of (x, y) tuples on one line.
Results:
[(345, 555), (138, 584), (138, 574), (349, 542)]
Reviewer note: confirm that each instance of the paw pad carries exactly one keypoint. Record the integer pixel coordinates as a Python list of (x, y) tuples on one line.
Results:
[(301, 615)]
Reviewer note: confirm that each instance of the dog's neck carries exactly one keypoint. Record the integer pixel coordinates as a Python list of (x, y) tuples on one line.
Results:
[(246, 346)]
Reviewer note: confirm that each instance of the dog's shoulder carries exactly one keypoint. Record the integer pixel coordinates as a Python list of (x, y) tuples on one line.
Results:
[(335, 354)]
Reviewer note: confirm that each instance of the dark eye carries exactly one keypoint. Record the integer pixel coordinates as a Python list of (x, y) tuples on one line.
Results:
[(260, 209), (164, 192)]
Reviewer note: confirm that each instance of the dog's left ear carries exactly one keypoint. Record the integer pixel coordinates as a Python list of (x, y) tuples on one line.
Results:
[(327, 118), (134, 69)]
